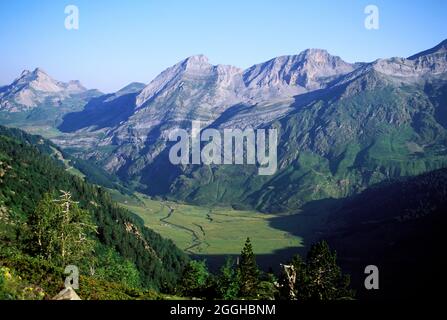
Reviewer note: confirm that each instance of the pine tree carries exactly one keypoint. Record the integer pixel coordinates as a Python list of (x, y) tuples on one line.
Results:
[(60, 229), (248, 272), (194, 280), (42, 226), (323, 279), (318, 278), (227, 282)]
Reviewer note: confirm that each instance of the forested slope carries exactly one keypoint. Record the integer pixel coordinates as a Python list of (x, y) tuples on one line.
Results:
[(27, 172)]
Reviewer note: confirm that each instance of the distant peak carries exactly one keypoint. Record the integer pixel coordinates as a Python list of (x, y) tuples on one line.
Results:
[(196, 61), (74, 82), (199, 58), (25, 73), (134, 84), (312, 51), (308, 55), (34, 74), (74, 85), (132, 87), (441, 47), (316, 54), (38, 71)]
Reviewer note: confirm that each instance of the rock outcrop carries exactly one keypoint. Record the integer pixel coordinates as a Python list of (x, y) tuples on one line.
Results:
[(67, 294)]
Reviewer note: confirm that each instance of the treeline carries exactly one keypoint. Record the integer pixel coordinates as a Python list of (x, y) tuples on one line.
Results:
[(27, 173), (316, 278)]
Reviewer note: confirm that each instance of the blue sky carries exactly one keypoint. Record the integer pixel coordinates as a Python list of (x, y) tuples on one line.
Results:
[(123, 41)]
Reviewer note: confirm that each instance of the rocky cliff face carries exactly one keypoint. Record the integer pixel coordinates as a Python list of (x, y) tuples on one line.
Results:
[(226, 80), (291, 75)]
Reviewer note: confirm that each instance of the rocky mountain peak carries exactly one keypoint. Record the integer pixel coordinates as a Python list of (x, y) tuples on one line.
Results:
[(199, 59), (24, 73), (132, 87), (38, 80), (432, 61), (193, 64), (74, 86), (323, 59), (309, 70), (314, 54), (428, 63), (39, 72), (32, 88), (195, 69), (74, 82)]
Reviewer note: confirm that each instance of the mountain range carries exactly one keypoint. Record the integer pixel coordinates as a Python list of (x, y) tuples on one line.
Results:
[(35, 98), (342, 126)]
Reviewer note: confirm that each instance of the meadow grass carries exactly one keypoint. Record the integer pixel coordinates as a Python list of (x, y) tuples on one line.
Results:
[(209, 230)]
